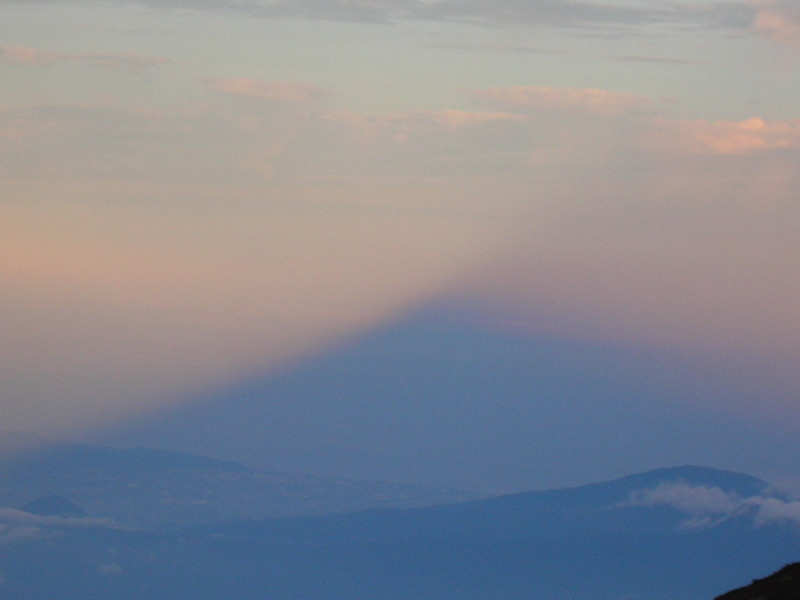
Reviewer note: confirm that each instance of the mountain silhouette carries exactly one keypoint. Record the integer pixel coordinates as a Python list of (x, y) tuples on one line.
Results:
[(782, 585), (148, 487), (53, 505), (684, 532), (623, 506)]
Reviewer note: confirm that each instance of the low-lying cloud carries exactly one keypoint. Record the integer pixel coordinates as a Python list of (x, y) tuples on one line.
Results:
[(694, 500), (16, 517), (709, 506), (19, 526)]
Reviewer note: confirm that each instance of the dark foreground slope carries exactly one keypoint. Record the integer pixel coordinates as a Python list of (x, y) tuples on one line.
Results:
[(783, 585), (683, 533)]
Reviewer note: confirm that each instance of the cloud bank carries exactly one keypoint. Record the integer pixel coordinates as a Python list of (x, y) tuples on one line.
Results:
[(749, 136)]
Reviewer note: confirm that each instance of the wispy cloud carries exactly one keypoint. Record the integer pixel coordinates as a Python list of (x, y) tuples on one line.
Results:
[(775, 510), (15, 517), (274, 91), (22, 55), (532, 98), (657, 60), (710, 506), (725, 137), (401, 127), (574, 14), (778, 20), (127, 61), (112, 568), (483, 47), (695, 500), (10, 534), (586, 14), (17, 525)]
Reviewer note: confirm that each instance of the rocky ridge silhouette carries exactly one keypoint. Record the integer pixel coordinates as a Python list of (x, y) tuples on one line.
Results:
[(782, 585)]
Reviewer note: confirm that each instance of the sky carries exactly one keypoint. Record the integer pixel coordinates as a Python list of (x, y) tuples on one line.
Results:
[(197, 193)]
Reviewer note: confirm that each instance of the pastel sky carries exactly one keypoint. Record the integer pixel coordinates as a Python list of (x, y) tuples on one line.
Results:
[(193, 191)]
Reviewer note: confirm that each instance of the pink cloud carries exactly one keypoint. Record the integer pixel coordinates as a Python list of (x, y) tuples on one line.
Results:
[(22, 55), (127, 61), (725, 137), (549, 98), (778, 20), (278, 91), (456, 119), (401, 127)]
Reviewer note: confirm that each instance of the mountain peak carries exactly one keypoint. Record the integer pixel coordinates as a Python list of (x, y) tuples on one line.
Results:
[(53, 505), (729, 481)]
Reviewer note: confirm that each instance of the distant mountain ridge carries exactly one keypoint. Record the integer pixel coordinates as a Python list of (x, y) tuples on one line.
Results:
[(147, 487), (678, 533), (661, 501)]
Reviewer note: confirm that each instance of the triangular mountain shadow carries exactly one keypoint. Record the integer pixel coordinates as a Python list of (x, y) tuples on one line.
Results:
[(782, 585)]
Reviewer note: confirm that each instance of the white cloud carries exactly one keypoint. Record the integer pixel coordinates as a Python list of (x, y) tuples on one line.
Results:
[(17, 525), (14, 517), (695, 500), (710, 506), (772, 510)]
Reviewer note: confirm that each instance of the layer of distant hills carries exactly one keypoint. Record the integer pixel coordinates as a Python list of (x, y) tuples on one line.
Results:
[(149, 488), (75, 527)]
